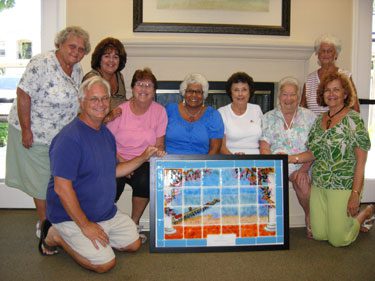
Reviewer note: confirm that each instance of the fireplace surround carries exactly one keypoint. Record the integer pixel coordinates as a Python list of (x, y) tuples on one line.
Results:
[(168, 92)]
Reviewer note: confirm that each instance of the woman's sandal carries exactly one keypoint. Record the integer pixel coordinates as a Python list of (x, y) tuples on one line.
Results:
[(368, 223), (43, 247), (309, 234)]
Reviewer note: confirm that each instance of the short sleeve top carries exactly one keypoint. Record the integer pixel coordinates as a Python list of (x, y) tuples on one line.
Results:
[(289, 141), (75, 156), (333, 150), (54, 96), (134, 133), (311, 86), (183, 137), (242, 132)]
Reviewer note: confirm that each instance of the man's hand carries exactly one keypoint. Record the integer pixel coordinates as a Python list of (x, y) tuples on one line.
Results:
[(152, 151), (112, 115), (95, 233)]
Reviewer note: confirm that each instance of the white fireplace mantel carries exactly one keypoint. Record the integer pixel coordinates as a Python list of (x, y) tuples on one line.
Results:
[(246, 50)]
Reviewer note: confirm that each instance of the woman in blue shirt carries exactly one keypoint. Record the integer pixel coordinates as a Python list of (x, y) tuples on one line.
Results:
[(193, 128)]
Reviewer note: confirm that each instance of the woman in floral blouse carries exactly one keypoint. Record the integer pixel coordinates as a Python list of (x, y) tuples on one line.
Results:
[(47, 100), (338, 142), (284, 131)]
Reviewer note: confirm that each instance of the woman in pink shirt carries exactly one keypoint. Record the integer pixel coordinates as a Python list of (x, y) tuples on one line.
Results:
[(142, 123)]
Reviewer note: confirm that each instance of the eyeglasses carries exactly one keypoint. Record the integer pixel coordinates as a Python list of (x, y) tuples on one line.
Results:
[(144, 85), (190, 92), (96, 100)]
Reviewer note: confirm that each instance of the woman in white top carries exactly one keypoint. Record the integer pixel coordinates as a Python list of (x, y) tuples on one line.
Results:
[(327, 49), (242, 120)]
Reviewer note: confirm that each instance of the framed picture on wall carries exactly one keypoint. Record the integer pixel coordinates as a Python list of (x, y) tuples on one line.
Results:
[(259, 17), (201, 203)]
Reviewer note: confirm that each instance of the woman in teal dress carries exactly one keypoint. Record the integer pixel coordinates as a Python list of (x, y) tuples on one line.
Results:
[(338, 143)]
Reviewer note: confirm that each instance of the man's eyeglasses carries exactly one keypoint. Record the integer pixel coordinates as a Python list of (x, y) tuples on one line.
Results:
[(96, 100)]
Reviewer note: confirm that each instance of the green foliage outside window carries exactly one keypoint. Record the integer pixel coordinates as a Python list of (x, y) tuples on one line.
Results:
[(6, 4), (3, 133)]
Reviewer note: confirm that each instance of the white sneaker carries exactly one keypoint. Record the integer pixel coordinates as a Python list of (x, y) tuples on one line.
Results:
[(37, 229), (141, 235)]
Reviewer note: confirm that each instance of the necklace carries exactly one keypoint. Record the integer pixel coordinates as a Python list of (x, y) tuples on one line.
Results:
[(291, 122), (192, 117), (329, 121)]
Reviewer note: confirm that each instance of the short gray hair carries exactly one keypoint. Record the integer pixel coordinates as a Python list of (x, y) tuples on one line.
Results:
[(194, 78), (328, 39), (63, 35), (87, 84), (289, 80)]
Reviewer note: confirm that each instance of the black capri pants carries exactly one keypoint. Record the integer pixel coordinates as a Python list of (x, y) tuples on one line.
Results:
[(139, 181)]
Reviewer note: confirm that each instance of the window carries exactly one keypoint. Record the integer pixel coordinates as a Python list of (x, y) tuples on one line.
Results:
[(371, 115), (18, 43), (2, 49), (25, 49)]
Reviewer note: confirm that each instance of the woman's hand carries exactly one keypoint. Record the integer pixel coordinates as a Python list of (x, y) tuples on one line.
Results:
[(27, 138), (302, 178), (353, 204)]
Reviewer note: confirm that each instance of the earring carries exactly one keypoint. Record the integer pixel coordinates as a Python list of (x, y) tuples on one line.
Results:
[(183, 102)]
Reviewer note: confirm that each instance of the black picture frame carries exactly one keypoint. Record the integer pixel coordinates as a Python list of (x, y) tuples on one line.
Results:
[(280, 30), (179, 223)]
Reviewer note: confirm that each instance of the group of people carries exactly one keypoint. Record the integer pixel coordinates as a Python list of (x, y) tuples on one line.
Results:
[(75, 141)]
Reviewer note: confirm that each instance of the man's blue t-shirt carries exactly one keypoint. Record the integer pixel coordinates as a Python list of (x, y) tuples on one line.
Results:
[(183, 137), (87, 157)]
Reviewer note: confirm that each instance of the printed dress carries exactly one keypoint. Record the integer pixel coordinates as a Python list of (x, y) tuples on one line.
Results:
[(291, 141), (333, 150), (54, 96)]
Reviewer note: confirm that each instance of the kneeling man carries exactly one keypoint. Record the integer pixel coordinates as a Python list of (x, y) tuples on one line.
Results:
[(82, 216)]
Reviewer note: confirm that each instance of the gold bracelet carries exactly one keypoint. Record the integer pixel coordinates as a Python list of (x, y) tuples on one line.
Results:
[(356, 191)]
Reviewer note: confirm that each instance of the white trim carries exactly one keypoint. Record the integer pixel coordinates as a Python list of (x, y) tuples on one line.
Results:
[(361, 67), (53, 19), (361, 48), (152, 48)]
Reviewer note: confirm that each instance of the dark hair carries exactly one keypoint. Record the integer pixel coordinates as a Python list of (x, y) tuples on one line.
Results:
[(108, 43), (239, 77), (143, 74), (346, 84)]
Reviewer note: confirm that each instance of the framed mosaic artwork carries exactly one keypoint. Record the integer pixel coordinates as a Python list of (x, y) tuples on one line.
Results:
[(201, 203)]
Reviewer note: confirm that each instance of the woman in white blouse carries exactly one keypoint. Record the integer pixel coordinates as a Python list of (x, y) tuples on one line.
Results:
[(242, 120)]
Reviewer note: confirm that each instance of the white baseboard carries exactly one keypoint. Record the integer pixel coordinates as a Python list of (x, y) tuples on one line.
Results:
[(14, 198)]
